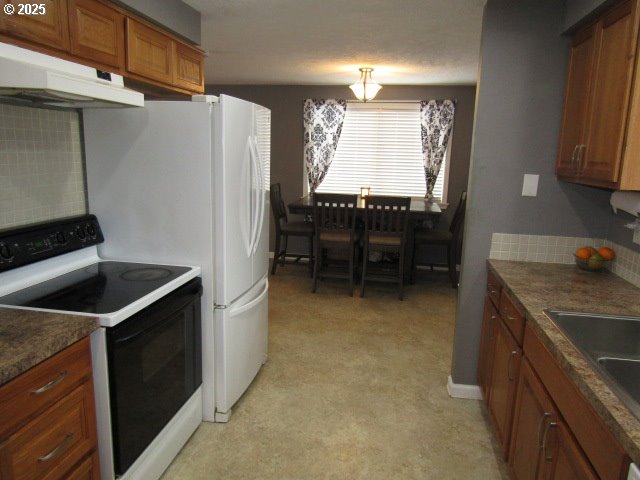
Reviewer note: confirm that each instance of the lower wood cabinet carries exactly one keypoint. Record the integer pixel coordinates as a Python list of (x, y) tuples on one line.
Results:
[(541, 445), (487, 341), (507, 356), (544, 425), (48, 421)]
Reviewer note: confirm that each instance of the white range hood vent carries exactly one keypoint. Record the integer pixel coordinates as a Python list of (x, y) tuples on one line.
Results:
[(32, 77)]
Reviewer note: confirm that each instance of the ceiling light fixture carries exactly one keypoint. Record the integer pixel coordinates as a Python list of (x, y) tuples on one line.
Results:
[(365, 89)]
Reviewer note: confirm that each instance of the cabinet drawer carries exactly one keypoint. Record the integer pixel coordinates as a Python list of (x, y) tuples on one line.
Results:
[(512, 316), (52, 443), (604, 452), (494, 287), (43, 385)]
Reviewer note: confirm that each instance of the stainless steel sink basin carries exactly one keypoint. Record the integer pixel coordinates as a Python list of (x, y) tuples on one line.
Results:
[(612, 344)]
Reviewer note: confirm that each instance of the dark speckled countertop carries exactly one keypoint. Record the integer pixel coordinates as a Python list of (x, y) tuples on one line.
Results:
[(538, 286), (28, 337)]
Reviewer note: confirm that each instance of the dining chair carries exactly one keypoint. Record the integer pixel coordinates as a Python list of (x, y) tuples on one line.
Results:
[(334, 217), (285, 229), (451, 238), (385, 230)]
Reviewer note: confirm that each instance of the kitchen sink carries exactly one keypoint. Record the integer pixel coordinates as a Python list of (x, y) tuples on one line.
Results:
[(612, 344)]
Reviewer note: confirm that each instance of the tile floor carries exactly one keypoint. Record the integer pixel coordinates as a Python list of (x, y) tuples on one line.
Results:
[(353, 389)]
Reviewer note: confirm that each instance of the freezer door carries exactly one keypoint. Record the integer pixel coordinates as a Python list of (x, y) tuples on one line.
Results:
[(240, 345), (236, 202)]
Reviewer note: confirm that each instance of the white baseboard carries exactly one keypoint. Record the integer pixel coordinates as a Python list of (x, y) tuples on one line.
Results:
[(458, 390)]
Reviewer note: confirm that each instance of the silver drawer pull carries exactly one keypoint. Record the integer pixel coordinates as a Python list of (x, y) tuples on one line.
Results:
[(51, 384), (547, 458), (58, 449), (511, 357), (542, 424)]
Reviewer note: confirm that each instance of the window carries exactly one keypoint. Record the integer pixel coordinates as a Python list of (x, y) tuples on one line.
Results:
[(263, 136), (380, 146)]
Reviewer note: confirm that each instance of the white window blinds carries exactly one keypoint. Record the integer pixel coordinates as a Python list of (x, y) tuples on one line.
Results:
[(380, 146), (263, 134)]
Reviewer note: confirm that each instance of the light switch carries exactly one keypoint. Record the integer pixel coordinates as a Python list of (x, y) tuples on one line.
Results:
[(530, 185)]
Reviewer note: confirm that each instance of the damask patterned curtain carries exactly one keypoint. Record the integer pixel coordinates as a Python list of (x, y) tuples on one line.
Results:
[(323, 121), (436, 121)]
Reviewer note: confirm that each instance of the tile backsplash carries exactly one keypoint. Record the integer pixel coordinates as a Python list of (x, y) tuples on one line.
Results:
[(552, 249), (41, 165)]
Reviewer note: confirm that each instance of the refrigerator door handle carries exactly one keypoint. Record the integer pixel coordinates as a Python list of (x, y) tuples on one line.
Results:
[(246, 217), (261, 199), (248, 306)]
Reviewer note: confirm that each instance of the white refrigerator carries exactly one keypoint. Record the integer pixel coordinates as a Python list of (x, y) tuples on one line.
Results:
[(194, 175)]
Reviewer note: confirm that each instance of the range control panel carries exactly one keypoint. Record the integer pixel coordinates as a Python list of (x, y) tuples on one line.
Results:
[(31, 244)]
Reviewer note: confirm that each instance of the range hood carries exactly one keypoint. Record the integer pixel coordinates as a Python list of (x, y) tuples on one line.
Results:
[(32, 77)]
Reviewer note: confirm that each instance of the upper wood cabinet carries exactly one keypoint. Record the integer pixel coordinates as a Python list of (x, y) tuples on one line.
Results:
[(97, 32), (188, 69), (155, 56), (105, 36), (596, 123), (51, 29), (149, 52)]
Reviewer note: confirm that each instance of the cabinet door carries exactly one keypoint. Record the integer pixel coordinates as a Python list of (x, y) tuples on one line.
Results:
[(50, 29), (189, 66), (534, 413), (87, 470), (487, 339), (576, 102), (610, 99), (97, 32), (504, 378), (149, 52), (562, 458)]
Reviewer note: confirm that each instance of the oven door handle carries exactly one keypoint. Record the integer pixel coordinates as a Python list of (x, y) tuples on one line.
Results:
[(133, 336), (168, 318)]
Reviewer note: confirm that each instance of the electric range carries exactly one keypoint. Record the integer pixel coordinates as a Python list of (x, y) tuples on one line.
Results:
[(147, 370)]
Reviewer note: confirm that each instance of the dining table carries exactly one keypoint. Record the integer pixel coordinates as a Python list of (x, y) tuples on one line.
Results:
[(421, 212), (420, 209)]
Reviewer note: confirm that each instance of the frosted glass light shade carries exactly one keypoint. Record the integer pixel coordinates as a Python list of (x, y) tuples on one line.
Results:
[(365, 89)]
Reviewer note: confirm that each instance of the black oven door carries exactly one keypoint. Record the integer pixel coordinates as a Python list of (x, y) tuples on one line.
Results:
[(154, 367)]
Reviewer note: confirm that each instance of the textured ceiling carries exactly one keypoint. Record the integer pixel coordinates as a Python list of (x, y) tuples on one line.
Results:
[(323, 42)]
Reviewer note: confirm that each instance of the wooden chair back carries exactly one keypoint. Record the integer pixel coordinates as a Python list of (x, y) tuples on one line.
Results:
[(458, 216), (387, 216), (278, 207), (334, 212)]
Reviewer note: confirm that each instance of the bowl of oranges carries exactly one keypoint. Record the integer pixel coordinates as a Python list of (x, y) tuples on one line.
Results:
[(592, 259)]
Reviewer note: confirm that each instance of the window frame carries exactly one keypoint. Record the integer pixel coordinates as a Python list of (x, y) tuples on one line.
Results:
[(398, 105)]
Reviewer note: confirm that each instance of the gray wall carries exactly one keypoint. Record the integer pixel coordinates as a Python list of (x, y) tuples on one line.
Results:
[(519, 104), (618, 233), (173, 14), (286, 102), (577, 10)]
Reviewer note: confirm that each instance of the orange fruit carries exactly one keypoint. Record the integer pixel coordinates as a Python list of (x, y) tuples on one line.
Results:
[(607, 253), (585, 252)]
